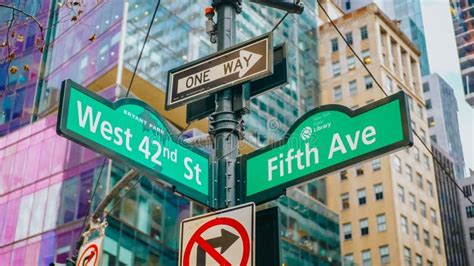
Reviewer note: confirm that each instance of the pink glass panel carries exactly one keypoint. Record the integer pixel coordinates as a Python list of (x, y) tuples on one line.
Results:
[(31, 172), (32, 254), (59, 158), (47, 149), (5, 170), (9, 227), (18, 256), (18, 169)]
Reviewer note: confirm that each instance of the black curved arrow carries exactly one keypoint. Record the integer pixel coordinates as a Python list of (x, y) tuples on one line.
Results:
[(224, 242)]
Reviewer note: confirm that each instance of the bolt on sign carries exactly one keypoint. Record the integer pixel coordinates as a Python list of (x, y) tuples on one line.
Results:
[(324, 140), (225, 238), (238, 64), (131, 131)]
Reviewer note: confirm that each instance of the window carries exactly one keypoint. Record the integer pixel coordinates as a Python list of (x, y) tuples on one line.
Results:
[(426, 238), (350, 62), (470, 211), (428, 104), (364, 34), (423, 134), (467, 191), (381, 222), (348, 260), (378, 191), (419, 260), (364, 226), (416, 231), (437, 245), (471, 233), (412, 201), (347, 231), (343, 175), (407, 256), (410, 103), (423, 208), (416, 153), (368, 82), (359, 170), (431, 122), (397, 164), (408, 173), (404, 224), (366, 258), (345, 200), (426, 87), (349, 38), (426, 160), (376, 165), (336, 68), (334, 45), (433, 216), (366, 56), (362, 196), (429, 263), (419, 111), (401, 194), (419, 180), (384, 255), (388, 84), (352, 88), (337, 93), (430, 188)]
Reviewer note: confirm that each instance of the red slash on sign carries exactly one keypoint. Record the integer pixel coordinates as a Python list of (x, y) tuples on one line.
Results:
[(225, 241)]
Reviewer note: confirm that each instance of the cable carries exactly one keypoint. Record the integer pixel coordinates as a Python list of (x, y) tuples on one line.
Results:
[(279, 22), (381, 88), (143, 48)]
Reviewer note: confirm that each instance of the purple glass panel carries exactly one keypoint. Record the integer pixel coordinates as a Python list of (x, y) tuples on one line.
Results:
[(85, 193), (5, 256), (47, 250)]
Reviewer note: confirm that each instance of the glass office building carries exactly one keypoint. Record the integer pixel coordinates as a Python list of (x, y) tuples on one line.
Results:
[(46, 181)]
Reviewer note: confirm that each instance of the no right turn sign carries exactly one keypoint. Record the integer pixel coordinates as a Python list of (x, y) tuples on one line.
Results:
[(221, 238)]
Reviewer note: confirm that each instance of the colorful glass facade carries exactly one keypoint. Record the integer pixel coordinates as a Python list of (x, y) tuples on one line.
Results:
[(46, 181)]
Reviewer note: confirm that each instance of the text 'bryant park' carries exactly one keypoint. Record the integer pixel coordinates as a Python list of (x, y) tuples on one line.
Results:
[(236, 132)]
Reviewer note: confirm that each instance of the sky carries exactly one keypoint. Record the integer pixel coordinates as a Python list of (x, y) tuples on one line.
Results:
[(443, 59)]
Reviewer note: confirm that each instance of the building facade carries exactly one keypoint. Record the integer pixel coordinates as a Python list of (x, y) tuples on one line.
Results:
[(442, 115), (467, 212), (451, 217), (46, 181), (462, 12), (388, 206), (408, 13)]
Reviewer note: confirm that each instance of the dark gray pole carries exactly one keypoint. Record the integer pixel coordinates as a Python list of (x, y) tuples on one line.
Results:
[(224, 121)]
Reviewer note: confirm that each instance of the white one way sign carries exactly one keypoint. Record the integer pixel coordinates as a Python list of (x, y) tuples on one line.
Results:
[(238, 64)]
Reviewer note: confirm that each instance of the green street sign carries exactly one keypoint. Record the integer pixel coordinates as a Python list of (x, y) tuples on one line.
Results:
[(131, 131), (326, 139)]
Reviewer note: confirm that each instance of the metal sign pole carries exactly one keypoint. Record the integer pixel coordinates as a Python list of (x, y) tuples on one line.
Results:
[(223, 122)]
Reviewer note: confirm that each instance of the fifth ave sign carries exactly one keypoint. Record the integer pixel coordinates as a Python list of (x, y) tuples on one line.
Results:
[(244, 62)]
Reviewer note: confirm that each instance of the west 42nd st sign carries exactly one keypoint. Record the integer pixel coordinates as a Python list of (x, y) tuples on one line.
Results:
[(131, 131), (324, 140)]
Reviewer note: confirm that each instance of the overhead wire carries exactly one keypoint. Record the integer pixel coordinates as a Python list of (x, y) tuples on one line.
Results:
[(436, 160)]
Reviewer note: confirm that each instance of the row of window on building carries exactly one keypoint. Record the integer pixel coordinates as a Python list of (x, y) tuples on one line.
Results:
[(351, 64), (353, 90), (384, 254), (412, 202), (364, 34)]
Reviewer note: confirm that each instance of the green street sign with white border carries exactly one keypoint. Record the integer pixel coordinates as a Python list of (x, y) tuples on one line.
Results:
[(131, 131), (324, 140)]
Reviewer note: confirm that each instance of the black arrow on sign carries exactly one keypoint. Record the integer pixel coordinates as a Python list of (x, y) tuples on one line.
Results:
[(224, 242)]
